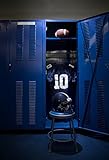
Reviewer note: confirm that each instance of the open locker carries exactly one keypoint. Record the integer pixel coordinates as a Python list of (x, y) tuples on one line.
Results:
[(89, 41), (61, 62)]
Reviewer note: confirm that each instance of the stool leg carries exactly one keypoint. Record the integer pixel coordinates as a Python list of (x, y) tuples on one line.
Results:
[(74, 133), (52, 127), (51, 141), (71, 126)]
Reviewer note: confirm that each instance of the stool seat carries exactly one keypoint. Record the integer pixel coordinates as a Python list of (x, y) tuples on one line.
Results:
[(61, 115)]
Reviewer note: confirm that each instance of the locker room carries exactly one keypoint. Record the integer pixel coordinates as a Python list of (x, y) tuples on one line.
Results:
[(36, 64)]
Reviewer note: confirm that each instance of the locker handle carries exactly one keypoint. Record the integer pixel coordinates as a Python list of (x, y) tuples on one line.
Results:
[(10, 66)]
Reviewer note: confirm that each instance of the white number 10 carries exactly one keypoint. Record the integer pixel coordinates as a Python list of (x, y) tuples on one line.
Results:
[(61, 81)]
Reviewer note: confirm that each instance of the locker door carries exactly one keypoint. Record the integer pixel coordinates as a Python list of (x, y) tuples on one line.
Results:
[(93, 64), (27, 104), (4, 106)]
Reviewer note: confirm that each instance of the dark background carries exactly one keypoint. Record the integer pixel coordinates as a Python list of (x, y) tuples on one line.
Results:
[(51, 9)]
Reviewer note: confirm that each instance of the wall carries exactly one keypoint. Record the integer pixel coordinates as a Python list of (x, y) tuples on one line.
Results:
[(51, 9)]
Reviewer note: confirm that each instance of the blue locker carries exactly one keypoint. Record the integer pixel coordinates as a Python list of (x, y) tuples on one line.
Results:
[(93, 62), (4, 106), (25, 77)]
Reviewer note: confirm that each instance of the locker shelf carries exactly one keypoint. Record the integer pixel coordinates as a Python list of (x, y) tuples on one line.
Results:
[(68, 38)]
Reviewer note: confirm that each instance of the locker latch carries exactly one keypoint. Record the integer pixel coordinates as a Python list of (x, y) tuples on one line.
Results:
[(10, 65)]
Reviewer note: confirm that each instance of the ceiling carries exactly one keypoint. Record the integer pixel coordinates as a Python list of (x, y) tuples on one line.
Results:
[(52, 9)]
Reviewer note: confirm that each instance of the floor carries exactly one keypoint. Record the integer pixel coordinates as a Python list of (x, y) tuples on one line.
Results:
[(35, 147)]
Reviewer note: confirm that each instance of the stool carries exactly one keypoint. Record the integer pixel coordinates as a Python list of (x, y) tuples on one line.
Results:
[(62, 116)]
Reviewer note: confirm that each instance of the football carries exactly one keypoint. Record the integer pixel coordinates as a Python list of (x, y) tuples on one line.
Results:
[(62, 33)]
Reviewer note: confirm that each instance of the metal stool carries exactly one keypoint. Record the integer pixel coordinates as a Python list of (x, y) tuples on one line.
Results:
[(62, 116)]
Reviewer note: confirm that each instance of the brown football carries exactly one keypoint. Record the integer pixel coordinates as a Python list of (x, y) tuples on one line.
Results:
[(62, 33)]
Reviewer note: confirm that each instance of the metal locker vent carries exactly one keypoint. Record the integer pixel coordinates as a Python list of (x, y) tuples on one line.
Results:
[(86, 34), (100, 105), (99, 37), (32, 42), (32, 102), (19, 42), (86, 89), (19, 102)]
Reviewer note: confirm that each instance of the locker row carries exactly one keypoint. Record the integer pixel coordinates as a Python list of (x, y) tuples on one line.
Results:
[(36, 64)]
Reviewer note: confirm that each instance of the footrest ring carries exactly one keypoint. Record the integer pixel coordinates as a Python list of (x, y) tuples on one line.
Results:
[(50, 135)]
